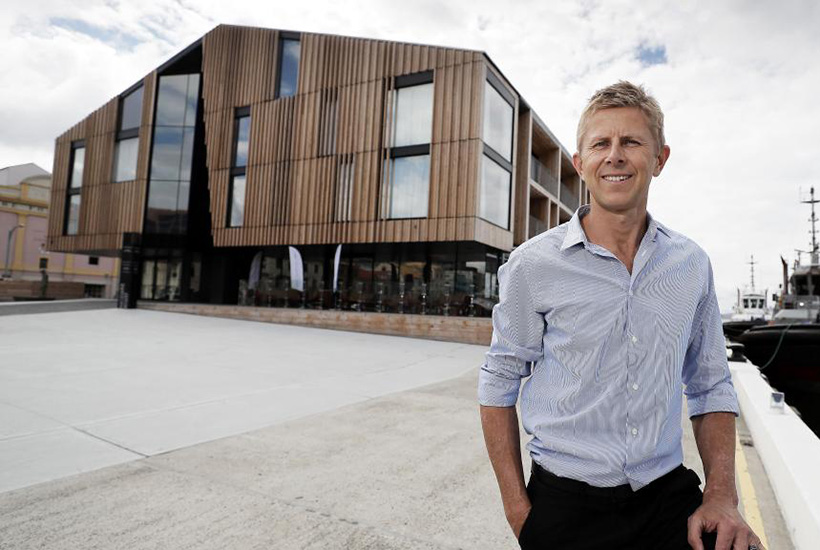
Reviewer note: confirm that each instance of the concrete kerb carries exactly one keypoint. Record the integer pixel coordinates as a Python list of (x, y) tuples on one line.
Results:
[(789, 451)]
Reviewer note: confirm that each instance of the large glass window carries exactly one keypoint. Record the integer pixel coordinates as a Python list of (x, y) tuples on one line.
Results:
[(77, 166), (498, 122), (496, 164), (289, 51), (495, 193), (131, 110), (243, 131), (125, 159), (172, 154), (406, 170), (236, 193), (409, 186), (127, 146), (71, 222), (414, 115)]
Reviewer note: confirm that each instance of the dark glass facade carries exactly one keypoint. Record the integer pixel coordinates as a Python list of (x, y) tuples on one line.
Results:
[(172, 154), (413, 278)]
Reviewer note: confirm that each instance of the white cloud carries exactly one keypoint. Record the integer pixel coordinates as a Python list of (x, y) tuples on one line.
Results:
[(738, 87)]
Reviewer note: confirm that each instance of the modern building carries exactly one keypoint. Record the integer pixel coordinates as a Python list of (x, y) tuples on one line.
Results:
[(25, 194), (255, 148)]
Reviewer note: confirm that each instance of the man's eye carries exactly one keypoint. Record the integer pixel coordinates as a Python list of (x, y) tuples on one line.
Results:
[(599, 144)]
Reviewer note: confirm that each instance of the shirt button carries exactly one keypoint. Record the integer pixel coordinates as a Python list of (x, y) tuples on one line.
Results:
[(634, 339), (634, 431), (635, 387)]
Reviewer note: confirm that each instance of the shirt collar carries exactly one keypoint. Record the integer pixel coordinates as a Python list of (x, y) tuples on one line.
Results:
[(575, 231)]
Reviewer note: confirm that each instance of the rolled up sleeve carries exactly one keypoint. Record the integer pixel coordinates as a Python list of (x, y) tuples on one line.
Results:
[(518, 331), (706, 373)]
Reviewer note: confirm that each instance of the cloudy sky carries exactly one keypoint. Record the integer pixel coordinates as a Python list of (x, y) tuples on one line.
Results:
[(737, 79)]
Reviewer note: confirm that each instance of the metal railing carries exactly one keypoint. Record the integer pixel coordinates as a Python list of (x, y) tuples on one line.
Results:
[(536, 227), (568, 197), (544, 177)]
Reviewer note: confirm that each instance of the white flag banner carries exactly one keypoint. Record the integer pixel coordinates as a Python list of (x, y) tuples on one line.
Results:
[(336, 262), (297, 274), (256, 268)]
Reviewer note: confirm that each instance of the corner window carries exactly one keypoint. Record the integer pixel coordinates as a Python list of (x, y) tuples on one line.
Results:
[(236, 191), (496, 163), (127, 146), (75, 183), (288, 74), (495, 193), (406, 173)]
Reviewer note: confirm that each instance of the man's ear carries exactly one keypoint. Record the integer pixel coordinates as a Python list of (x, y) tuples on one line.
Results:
[(577, 163), (663, 156)]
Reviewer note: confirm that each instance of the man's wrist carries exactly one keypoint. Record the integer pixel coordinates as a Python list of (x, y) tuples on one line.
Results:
[(720, 494)]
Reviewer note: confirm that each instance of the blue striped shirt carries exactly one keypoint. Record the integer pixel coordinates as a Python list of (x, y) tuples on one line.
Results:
[(607, 353)]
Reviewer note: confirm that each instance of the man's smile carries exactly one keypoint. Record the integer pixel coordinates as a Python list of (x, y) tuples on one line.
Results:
[(617, 178)]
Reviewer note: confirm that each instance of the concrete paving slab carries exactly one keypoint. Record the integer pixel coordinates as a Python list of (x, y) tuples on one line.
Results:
[(169, 429), (32, 459), (153, 381), (17, 422)]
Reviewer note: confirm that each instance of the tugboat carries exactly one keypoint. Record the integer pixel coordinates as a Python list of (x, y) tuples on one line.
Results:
[(787, 350), (749, 311)]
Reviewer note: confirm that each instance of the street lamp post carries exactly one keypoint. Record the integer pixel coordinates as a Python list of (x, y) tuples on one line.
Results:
[(6, 270)]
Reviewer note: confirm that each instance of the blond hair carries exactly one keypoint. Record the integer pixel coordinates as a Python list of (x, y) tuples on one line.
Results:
[(624, 94)]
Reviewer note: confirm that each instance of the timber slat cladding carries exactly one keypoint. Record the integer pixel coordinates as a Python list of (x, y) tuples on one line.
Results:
[(107, 209), (346, 85), (341, 113)]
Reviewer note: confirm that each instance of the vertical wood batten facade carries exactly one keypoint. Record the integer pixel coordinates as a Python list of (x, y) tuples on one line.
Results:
[(290, 185), (108, 209), (341, 113)]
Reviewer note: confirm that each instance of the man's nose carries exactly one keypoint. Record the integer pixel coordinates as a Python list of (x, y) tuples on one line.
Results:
[(615, 154)]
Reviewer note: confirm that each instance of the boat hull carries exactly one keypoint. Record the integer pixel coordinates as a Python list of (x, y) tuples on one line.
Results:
[(733, 329), (796, 363)]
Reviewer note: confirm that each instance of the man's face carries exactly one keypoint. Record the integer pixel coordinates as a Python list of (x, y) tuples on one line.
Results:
[(618, 157)]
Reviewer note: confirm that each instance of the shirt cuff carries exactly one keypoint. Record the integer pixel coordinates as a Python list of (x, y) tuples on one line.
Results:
[(496, 390), (720, 399)]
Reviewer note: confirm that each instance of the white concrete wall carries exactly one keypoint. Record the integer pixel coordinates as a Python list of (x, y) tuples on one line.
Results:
[(790, 452)]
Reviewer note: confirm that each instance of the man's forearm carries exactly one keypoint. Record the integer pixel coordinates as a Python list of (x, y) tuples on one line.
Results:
[(501, 435), (715, 436)]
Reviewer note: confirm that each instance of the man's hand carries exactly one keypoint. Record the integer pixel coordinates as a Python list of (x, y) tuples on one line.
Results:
[(517, 517), (720, 515)]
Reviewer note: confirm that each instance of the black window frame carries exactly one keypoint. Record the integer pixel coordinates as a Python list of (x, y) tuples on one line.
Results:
[(126, 133), (408, 81), (494, 155), (416, 150), (285, 36), (70, 189), (237, 171)]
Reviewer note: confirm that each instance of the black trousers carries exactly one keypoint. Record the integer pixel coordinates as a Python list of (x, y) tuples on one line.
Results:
[(571, 515)]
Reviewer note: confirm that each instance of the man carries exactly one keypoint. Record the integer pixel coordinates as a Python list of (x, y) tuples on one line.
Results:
[(610, 315)]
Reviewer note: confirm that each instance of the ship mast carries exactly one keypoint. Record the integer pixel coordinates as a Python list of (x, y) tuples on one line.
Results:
[(752, 263), (813, 219)]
